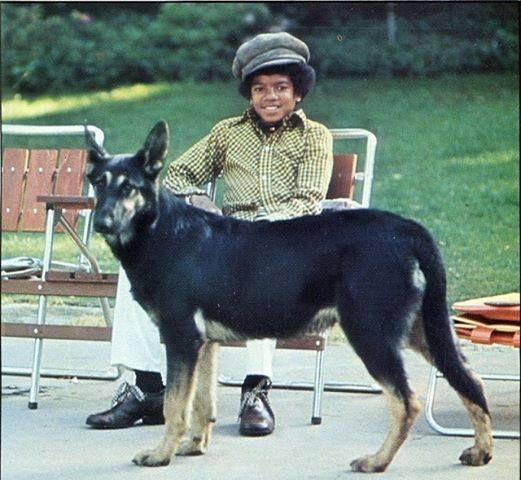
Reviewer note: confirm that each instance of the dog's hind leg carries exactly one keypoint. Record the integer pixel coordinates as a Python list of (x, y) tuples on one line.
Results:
[(469, 388), (404, 408), (180, 390), (375, 334), (205, 403)]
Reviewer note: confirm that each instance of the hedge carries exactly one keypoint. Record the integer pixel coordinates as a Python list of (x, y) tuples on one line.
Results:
[(78, 51)]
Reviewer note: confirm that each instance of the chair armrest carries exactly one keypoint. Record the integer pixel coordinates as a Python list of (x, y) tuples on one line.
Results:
[(339, 204), (67, 202)]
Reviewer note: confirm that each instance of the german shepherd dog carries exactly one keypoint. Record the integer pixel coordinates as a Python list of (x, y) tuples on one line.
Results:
[(203, 278)]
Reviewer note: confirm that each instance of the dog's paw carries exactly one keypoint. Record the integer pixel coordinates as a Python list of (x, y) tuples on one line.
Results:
[(475, 457), (368, 464), (193, 446), (151, 458)]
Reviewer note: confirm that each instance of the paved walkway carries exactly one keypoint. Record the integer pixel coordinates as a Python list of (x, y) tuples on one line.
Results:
[(53, 443)]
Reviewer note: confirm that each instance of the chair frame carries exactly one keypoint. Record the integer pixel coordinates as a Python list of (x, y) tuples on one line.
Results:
[(484, 331), (94, 284), (318, 342), (461, 432)]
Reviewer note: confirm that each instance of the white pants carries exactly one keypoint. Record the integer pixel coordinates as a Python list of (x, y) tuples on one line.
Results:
[(136, 344)]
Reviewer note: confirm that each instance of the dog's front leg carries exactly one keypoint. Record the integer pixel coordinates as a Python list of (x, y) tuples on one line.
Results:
[(205, 403), (180, 388)]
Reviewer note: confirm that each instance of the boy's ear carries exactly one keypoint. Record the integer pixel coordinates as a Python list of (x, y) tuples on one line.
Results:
[(155, 148)]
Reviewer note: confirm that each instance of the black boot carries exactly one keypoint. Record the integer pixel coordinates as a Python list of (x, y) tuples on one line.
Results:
[(256, 416), (130, 405)]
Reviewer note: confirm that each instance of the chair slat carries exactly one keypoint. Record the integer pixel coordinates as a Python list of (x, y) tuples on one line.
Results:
[(14, 163), (69, 178), (343, 177), (41, 169)]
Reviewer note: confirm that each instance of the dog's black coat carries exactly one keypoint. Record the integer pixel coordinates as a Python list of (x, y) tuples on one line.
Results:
[(379, 271)]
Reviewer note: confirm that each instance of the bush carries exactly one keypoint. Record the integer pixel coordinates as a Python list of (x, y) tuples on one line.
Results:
[(62, 49), (72, 52), (429, 46), (198, 41), (76, 51)]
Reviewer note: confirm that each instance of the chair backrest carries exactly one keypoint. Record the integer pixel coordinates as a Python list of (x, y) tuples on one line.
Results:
[(29, 173), (342, 183), (362, 168)]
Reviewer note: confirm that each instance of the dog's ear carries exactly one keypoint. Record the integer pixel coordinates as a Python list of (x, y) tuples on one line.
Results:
[(96, 153), (155, 148)]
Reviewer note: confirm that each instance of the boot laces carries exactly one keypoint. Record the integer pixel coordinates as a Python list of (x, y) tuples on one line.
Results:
[(257, 394), (124, 390)]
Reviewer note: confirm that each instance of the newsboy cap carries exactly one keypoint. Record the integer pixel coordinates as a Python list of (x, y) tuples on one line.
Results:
[(267, 49)]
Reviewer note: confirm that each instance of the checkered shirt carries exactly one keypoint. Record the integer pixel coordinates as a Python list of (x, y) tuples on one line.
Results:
[(279, 175)]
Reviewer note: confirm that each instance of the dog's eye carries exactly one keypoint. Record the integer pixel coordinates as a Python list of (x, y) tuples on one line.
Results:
[(127, 188), (98, 183)]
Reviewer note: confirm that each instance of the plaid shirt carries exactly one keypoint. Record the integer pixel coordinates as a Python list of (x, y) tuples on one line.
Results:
[(275, 176)]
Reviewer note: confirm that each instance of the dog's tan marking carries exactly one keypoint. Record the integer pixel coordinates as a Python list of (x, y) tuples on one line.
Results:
[(133, 202), (481, 452), (177, 411), (212, 330), (323, 319), (108, 177), (402, 420), (204, 409), (120, 179), (418, 278), (417, 341)]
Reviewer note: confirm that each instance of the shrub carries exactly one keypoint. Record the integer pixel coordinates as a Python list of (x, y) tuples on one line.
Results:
[(198, 41), (62, 49), (72, 52)]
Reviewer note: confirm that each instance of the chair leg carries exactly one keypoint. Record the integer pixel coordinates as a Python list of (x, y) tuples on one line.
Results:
[(37, 356), (318, 389), (460, 432), (42, 310)]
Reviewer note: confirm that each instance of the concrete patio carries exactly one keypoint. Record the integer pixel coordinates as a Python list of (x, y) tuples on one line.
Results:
[(52, 442)]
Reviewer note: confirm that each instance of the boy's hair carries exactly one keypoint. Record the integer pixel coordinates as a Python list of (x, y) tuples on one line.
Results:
[(302, 76)]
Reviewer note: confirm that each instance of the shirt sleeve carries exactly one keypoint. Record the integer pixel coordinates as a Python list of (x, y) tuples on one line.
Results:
[(313, 177), (199, 165)]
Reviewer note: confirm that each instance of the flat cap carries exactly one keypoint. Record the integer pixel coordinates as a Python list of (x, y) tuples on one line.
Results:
[(268, 49)]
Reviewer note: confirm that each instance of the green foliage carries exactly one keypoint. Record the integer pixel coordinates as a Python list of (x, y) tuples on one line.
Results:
[(456, 39), (198, 41), (58, 48), (76, 51), (72, 52)]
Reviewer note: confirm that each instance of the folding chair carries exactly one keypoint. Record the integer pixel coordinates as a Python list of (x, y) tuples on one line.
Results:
[(347, 174), (42, 191), (483, 321)]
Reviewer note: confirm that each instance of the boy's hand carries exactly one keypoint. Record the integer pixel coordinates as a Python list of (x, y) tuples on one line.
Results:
[(204, 203)]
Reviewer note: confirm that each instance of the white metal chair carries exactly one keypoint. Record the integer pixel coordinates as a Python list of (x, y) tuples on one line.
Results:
[(43, 189)]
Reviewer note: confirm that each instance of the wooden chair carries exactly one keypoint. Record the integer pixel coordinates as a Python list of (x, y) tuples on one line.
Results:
[(42, 191), (347, 175), (487, 321)]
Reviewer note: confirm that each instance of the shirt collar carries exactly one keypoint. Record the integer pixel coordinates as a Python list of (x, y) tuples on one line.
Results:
[(297, 118)]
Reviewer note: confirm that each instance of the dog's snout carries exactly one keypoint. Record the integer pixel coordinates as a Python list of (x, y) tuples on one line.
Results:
[(103, 223)]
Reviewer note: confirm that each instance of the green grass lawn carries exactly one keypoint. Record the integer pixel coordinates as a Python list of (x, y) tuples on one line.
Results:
[(448, 154)]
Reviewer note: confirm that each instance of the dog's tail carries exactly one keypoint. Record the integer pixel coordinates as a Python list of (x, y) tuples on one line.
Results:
[(437, 324)]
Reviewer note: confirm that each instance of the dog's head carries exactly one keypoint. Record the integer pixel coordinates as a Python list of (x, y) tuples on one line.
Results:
[(126, 186)]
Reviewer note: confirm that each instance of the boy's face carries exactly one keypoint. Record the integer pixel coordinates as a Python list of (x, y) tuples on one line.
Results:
[(273, 97)]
